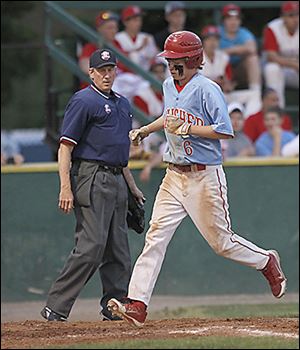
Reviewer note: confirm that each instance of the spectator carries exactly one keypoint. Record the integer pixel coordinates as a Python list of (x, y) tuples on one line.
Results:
[(150, 145), (271, 142), (175, 15), (254, 124), (139, 46), (240, 44), (218, 68), (107, 25), (281, 46), (158, 69), (291, 149), (141, 49), (10, 149), (240, 145)]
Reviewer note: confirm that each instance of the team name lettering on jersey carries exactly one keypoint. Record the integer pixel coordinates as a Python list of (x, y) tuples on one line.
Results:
[(184, 116)]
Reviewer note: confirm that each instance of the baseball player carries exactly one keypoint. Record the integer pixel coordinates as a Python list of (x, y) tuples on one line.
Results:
[(195, 119), (92, 159)]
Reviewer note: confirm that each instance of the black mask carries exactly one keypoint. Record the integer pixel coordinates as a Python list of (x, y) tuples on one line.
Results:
[(179, 68)]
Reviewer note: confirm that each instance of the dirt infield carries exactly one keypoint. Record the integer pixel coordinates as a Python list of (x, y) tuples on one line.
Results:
[(30, 334)]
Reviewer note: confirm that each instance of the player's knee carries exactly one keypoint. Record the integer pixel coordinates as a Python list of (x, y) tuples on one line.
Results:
[(155, 239), (220, 247)]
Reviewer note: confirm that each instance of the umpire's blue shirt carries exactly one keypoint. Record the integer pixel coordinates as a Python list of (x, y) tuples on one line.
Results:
[(97, 124)]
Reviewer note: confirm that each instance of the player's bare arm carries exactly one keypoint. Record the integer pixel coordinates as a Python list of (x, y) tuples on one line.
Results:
[(207, 131), (66, 197)]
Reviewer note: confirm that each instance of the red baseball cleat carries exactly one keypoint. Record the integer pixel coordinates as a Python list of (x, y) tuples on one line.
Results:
[(274, 274), (132, 311)]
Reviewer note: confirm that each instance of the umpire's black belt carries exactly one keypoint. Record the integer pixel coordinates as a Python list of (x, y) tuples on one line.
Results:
[(116, 170)]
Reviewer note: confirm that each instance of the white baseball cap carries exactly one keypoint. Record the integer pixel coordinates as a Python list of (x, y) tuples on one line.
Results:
[(235, 106)]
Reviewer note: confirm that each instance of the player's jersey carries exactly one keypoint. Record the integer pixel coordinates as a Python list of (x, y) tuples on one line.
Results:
[(201, 102)]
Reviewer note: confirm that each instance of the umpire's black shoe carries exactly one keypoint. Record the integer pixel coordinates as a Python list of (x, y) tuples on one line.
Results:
[(50, 315), (108, 316)]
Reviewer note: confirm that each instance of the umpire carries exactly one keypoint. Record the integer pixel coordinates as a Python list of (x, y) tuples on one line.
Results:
[(92, 160)]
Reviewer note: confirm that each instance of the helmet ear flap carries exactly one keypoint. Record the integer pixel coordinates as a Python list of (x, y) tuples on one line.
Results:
[(194, 62)]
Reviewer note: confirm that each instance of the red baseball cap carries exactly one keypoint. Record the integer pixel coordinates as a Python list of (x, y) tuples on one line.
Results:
[(131, 11), (210, 30), (289, 7), (231, 10), (104, 16)]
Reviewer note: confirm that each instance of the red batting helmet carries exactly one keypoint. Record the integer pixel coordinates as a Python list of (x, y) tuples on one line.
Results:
[(184, 44)]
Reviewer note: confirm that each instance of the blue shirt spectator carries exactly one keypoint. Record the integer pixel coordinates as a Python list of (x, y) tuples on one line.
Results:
[(265, 143), (240, 44), (271, 142), (242, 36), (10, 149)]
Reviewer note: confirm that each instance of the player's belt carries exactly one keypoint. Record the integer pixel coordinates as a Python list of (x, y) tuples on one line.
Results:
[(187, 168)]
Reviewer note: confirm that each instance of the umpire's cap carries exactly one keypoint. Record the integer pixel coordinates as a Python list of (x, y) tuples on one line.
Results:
[(101, 58)]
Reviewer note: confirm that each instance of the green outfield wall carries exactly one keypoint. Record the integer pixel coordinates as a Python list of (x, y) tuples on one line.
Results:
[(36, 237)]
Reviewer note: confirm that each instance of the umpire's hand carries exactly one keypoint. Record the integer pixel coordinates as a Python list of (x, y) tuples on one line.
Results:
[(138, 194), (66, 200)]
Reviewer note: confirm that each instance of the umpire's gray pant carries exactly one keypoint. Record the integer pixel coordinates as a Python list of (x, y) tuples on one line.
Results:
[(101, 239)]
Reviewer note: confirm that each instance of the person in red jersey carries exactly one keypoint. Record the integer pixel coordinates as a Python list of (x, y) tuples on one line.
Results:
[(254, 124), (281, 48)]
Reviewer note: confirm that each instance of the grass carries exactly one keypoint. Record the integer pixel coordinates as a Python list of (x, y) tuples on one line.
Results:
[(195, 343), (231, 311)]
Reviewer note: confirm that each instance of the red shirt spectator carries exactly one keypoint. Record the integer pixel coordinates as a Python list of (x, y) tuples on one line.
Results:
[(281, 48), (254, 125), (107, 26), (158, 69)]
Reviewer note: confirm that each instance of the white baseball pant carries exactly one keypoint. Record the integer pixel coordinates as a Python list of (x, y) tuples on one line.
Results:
[(203, 196)]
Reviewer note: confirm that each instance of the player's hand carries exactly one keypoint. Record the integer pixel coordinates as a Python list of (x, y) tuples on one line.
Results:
[(137, 135), (66, 200), (174, 125)]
